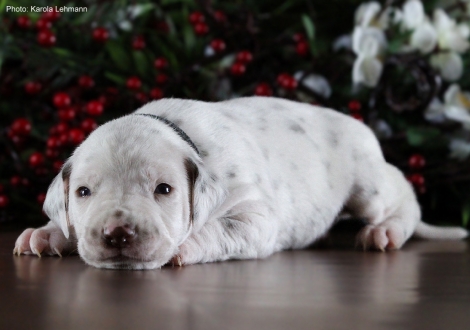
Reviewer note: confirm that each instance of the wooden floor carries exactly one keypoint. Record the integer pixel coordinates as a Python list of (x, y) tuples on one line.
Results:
[(424, 286)]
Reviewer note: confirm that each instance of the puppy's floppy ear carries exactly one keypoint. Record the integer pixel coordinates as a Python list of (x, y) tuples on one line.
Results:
[(56, 205), (205, 194)]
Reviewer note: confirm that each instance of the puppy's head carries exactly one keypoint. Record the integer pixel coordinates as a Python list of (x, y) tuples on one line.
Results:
[(131, 192)]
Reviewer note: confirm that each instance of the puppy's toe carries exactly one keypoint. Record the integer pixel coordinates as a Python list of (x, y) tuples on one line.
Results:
[(22, 242), (385, 236), (40, 241)]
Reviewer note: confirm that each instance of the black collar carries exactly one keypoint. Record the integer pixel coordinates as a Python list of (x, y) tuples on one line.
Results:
[(175, 128)]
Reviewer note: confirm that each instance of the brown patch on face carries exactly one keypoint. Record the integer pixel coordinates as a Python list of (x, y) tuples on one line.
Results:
[(191, 173), (66, 171)]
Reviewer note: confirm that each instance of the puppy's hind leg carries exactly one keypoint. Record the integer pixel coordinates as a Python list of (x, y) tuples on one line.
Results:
[(387, 201)]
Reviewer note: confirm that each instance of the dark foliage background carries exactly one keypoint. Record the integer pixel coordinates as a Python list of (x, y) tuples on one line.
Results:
[(64, 73)]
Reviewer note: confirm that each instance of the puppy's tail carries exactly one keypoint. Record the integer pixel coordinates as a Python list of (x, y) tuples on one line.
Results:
[(427, 231)]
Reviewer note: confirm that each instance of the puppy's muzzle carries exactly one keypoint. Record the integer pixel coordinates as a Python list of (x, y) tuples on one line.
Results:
[(120, 237)]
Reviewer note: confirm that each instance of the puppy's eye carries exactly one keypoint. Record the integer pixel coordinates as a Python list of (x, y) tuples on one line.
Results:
[(83, 192), (163, 188)]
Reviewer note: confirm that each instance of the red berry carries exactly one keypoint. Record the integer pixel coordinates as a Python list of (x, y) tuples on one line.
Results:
[(160, 63), (23, 22), (32, 87), (138, 43), (43, 24), (4, 201), (51, 15), (196, 17), (161, 78), (67, 114), (41, 197), (52, 153), (64, 138), (133, 83), (36, 159), (302, 48), (238, 69), (416, 179), (95, 108), (416, 161), (76, 136), (201, 29), (53, 142), (62, 128), (218, 45), (57, 165), (86, 81), (156, 93), (46, 38), (100, 34), (141, 97), (298, 37), (263, 89), (21, 126), (61, 100), (220, 16), (354, 106), (162, 26), (244, 56), (286, 81), (357, 116), (15, 181), (41, 171), (88, 125)]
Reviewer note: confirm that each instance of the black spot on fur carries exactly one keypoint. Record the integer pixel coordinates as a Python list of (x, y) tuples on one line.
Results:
[(333, 139), (231, 175), (204, 153), (297, 128)]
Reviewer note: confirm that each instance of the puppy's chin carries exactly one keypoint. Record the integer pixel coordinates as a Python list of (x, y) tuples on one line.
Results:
[(128, 258), (126, 263)]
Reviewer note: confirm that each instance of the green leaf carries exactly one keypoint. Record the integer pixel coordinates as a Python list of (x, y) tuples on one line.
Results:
[(309, 27), (466, 214), (418, 136), (115, 78), (3, 4), (119, 56), (141, 63)]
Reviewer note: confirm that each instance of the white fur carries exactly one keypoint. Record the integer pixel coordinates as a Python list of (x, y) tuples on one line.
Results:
[(272, 174)]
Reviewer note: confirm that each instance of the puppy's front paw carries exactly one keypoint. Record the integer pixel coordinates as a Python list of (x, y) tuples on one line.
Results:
[(47, 240), (384, 236), (176, 261)]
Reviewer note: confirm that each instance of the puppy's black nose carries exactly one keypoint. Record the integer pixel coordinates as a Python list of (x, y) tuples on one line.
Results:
[(119, 236)]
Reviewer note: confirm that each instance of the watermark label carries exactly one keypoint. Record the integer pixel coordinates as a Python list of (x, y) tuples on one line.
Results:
[(45, 9)]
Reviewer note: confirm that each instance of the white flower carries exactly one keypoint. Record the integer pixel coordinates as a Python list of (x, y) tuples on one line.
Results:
[(456, 107), (368, 43), (366, 13), (435, 111), (413, 14), (424, 36), (449, 64), (371, 14), (457, 104), (315, 82), (452, 39), (459, 149), (451, 36)]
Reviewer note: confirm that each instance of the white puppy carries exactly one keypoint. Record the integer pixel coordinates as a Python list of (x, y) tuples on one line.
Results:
[(186, 182)]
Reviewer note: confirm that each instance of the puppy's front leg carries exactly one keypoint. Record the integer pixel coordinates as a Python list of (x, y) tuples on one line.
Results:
[(48, 239), (243, 233)]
